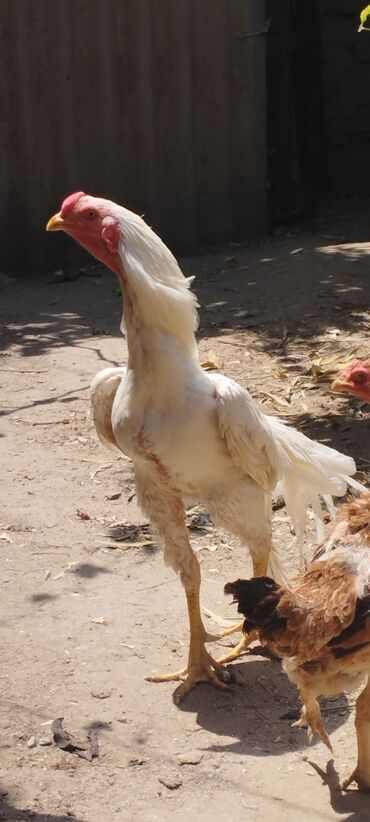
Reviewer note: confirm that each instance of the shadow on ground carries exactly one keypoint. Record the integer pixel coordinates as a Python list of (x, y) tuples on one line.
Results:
[(254, 712), (11, 813), (257, 716), (352, 802)]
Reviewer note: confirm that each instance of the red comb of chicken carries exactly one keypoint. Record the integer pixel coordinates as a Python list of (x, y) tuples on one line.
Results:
[(70, 201)]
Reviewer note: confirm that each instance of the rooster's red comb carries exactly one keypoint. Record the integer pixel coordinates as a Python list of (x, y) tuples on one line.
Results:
[(70, 201)]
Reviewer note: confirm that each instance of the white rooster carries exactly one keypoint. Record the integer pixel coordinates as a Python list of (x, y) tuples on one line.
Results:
[(191, 435)]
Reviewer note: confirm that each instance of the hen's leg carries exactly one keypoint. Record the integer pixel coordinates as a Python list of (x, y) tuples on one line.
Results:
[(167, 514), (361, 774), (311, 717)]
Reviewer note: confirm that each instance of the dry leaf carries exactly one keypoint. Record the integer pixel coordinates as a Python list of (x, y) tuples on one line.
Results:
[(87, 749), (137, 760), (212, 363), (82, 514), (102, 468), (323, 367), (101, 694), (68, 568), (281, 373), (125, 545), (276, 398)]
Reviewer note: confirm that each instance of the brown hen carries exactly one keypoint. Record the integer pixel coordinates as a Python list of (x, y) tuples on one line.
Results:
[(321, 627)]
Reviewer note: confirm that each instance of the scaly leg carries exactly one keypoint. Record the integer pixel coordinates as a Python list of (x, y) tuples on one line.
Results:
[(167, 514), (259, 570), (361, 774), (311, 716), (201, 666)]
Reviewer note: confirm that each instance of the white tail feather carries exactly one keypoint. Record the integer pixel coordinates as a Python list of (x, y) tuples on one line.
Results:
[(355, 484), (312, 470)]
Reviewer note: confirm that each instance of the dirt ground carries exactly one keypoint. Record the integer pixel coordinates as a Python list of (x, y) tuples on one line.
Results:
[(87, 610)]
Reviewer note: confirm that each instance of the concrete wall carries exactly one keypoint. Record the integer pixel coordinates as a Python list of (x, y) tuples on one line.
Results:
[(158, 104)]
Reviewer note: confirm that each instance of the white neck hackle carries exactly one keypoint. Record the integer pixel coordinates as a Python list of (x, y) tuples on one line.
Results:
[(160, 294)]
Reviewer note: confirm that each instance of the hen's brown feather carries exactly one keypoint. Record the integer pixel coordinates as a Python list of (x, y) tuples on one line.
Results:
[(309, 626), (356, 515)]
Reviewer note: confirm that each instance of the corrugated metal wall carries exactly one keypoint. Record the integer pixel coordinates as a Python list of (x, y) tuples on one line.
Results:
[(158, 104)]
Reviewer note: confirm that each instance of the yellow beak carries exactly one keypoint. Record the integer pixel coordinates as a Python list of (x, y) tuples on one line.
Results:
[(339, 385), (55, 223)]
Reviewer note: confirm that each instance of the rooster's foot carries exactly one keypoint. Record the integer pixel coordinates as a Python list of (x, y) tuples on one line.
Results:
[(239, 649), (200, 669)]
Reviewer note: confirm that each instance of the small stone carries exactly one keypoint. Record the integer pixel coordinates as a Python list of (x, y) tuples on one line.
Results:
[(31, 742), (191, 758), (45, 740)]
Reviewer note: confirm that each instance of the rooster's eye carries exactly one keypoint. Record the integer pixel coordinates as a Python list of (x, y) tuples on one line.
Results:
[(90, 214), (360, 377)]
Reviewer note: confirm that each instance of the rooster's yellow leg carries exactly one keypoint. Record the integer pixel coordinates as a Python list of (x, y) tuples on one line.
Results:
[(201, 666), (239, 649), (233, 630), (259, 570), (361, 774)]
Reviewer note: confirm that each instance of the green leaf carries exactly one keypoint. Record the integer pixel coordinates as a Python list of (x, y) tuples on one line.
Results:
[(363, 17)]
